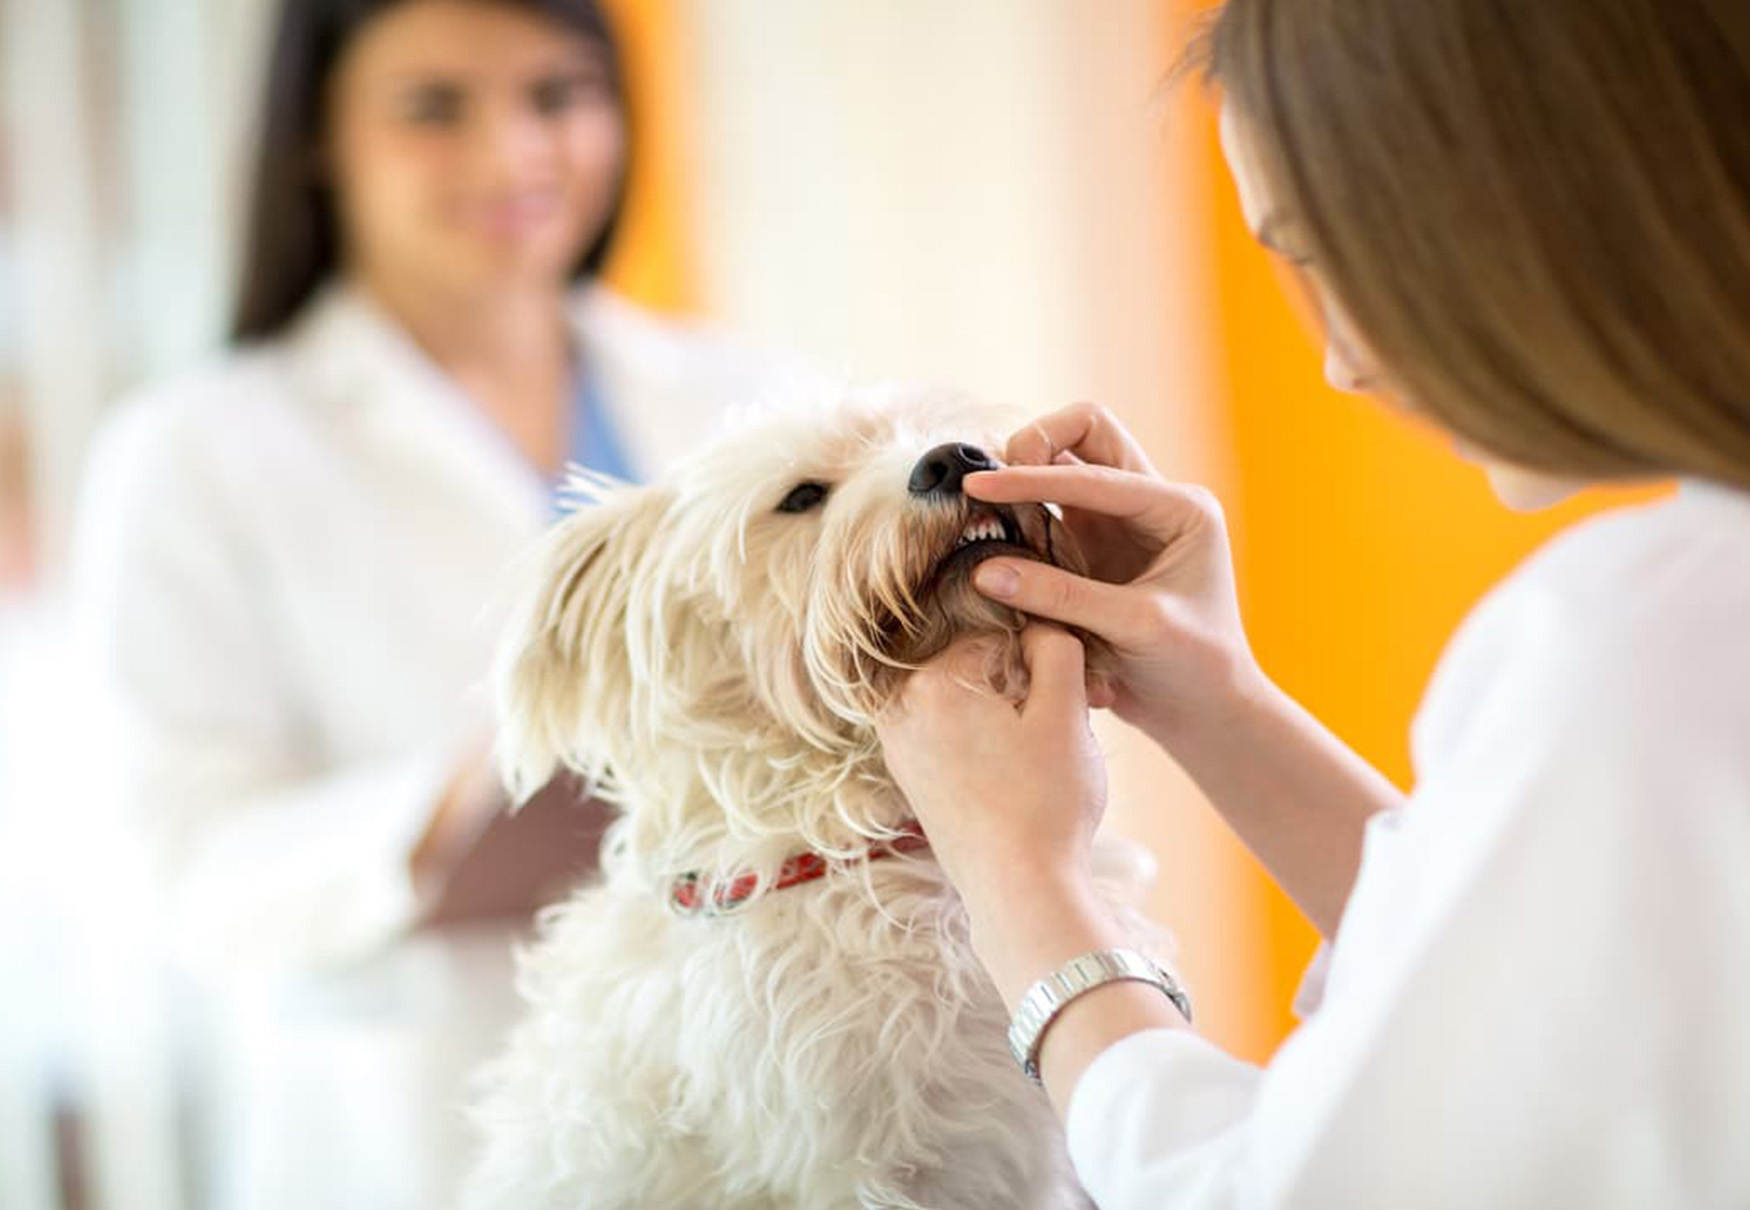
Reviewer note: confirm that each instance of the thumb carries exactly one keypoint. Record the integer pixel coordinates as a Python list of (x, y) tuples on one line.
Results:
[(1056, 671), (1053, 593)]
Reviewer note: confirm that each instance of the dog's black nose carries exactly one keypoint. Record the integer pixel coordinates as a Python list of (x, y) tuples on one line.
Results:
[(939, 472)]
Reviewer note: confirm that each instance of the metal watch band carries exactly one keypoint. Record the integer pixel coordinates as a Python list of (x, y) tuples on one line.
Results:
[(1048, 997)]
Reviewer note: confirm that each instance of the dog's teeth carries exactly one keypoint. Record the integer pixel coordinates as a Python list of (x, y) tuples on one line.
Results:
[(985, 528)]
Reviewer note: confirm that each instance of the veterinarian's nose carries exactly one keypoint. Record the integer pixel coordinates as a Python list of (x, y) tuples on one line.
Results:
[(939, 472)]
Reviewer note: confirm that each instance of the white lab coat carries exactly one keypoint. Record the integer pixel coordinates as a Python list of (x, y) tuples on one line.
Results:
[(290, 574), (1539, 991)]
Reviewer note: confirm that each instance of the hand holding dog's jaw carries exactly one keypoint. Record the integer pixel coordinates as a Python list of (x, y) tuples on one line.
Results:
[(1157, 588), (1006, 791)]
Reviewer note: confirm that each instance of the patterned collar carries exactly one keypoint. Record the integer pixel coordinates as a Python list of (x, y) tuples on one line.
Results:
[(685, 894)]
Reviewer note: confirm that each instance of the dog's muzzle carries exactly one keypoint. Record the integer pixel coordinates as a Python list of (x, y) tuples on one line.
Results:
[(940, 471)]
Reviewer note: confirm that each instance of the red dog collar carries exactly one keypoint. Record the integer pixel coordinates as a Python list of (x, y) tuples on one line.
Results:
[(685, 895)]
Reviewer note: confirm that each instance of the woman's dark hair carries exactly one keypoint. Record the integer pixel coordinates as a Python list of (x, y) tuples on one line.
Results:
[(292, 243)]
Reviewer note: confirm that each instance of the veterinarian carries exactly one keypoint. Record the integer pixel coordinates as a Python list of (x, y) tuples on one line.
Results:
[(1529, 225), (288, 564)]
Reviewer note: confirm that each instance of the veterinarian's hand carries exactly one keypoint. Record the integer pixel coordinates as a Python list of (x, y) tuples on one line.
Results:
[(1008, 794), (1161, 591), (470, 801)]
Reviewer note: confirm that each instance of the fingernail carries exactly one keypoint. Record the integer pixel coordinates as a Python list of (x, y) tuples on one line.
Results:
[(996, 580)]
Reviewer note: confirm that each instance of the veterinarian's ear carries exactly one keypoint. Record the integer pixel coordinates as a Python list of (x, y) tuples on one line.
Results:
[(563, 678)]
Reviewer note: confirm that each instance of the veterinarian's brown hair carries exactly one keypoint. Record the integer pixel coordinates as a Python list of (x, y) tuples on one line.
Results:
[(1536, 214), (292, 241)]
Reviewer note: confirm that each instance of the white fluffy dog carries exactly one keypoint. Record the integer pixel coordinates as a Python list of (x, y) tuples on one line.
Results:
[(713, 1026)]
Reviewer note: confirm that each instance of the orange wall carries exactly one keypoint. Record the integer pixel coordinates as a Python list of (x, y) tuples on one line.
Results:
[(651, 257)]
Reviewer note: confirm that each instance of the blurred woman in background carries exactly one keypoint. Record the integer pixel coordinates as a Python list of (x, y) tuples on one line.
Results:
[(286, 564)]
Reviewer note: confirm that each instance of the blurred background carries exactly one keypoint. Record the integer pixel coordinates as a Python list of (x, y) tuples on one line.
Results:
[(986, 194)]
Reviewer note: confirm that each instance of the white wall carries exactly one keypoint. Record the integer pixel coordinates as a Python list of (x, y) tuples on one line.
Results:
[(123, 124)]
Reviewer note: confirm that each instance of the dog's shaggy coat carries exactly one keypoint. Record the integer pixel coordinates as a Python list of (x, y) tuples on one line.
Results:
[(711, 652)]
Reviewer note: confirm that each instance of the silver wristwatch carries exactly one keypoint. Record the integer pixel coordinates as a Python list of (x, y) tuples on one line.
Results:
[(1046, 998)]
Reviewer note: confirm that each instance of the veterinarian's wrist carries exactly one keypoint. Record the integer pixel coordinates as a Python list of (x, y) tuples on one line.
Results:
[(1034, 923), (1034, 931), (1239, 696), (1000, 884)]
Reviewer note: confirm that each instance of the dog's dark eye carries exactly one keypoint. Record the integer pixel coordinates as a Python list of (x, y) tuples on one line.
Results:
[(803, 497)]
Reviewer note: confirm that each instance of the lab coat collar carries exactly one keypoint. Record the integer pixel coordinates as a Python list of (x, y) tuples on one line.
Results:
[(663, 386), (366, 371), (1706, 494), (662, 382)]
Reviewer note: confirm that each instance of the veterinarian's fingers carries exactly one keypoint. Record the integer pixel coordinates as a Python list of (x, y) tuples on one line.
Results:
[(1087, 430), (1101, 694), (1159, 509), (1057, 677), (1108, 610)]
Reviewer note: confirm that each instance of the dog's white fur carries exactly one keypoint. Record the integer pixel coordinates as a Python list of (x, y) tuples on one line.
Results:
[(714, 666)]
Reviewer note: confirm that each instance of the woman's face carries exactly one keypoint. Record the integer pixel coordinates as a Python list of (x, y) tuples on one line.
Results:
[(1350, 365), (471, 145)]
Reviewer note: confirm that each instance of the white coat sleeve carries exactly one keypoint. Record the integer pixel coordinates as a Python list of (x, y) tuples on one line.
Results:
[(1537, 994), (270, 859)]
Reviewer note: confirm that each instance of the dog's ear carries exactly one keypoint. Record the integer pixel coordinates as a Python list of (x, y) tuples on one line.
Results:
[(563, 678)]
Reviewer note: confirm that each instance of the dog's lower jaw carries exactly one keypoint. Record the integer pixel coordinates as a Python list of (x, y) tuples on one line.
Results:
[(826, 1049)]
